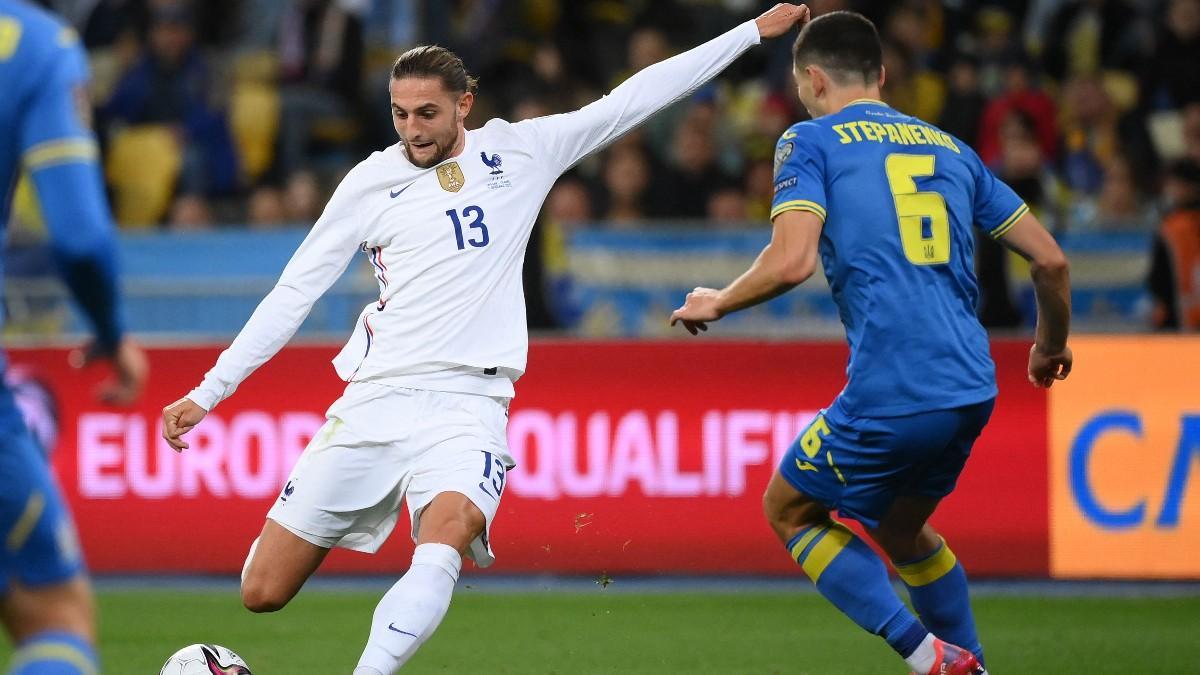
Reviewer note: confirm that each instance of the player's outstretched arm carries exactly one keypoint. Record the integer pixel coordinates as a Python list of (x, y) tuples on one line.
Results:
[(59, 153), (569, 137), (1050, 358), (82, 237), (316, 265), (788, 261)]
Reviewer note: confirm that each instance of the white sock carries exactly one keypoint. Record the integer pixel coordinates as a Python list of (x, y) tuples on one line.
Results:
[(924, 658), (410, 612)]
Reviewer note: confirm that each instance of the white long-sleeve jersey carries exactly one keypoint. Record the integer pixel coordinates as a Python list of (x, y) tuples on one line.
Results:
[(447, 243)]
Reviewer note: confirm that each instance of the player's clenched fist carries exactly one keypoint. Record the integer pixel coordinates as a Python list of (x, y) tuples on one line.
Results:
[(780, 19), (1045, 368), (178, 419)]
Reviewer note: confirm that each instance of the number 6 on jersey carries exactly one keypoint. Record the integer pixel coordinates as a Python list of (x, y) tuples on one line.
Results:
[(914, 209)]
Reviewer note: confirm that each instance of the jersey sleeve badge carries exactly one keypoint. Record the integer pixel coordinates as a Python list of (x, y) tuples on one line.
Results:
[(782, 153)]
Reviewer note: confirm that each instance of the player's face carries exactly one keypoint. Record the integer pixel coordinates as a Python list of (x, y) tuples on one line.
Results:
[(428, 118)]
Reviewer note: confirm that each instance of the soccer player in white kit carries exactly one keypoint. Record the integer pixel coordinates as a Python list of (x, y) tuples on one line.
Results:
[(444, 217)]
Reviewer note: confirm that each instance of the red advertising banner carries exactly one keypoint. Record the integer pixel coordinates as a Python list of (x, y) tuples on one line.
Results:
[(633, 458)]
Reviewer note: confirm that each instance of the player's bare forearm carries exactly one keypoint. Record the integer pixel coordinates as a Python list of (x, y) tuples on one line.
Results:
[(1052, 288), (770, 276), (1050, 358), (785, 263), (788, 261), (1051, 280)]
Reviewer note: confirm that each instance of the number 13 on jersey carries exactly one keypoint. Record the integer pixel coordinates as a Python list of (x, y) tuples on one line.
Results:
[(916, 210), (477, 224)]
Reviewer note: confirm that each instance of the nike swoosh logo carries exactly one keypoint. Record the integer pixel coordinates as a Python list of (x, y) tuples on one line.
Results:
[(397, 192), (485, 490), (392, 626), (789, 135)]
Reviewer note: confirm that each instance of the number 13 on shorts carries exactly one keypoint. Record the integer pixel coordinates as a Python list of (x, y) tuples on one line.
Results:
[(493, 475)]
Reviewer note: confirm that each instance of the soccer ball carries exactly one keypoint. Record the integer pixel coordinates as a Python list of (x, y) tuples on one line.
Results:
[(204, 660)]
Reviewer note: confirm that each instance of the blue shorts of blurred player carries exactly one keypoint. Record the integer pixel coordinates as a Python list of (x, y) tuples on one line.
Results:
[(45, 599), (39, 545), (860, 465)]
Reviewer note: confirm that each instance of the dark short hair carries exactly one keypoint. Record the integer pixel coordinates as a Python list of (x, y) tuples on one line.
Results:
[(844, 44), (435, 61)]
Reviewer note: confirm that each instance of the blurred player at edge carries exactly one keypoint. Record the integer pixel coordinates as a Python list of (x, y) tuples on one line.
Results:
[(45, 598), (888, 201), (444, 217)]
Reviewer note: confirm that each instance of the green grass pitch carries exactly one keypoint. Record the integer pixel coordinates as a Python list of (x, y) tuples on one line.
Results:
[(561, 633)]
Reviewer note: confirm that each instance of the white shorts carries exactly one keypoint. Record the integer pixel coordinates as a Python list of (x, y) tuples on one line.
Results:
[(380, 445)]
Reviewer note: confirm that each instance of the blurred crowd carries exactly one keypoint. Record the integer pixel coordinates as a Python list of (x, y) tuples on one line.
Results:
[(246, 113), (1084, 106), (249, 111)]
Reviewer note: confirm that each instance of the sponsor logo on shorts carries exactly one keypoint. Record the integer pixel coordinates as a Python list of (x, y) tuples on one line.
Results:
[(806, 466), (485, 491)]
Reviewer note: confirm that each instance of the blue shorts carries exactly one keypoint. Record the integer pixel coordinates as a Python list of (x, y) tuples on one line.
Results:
[(860, 465), (38, 545)]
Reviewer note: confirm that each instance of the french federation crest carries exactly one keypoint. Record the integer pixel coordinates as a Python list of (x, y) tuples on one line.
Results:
[(451, 177), (492, 163)]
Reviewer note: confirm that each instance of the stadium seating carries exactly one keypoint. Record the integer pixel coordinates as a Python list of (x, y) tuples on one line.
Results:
[(142, 165), (254, 112)]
